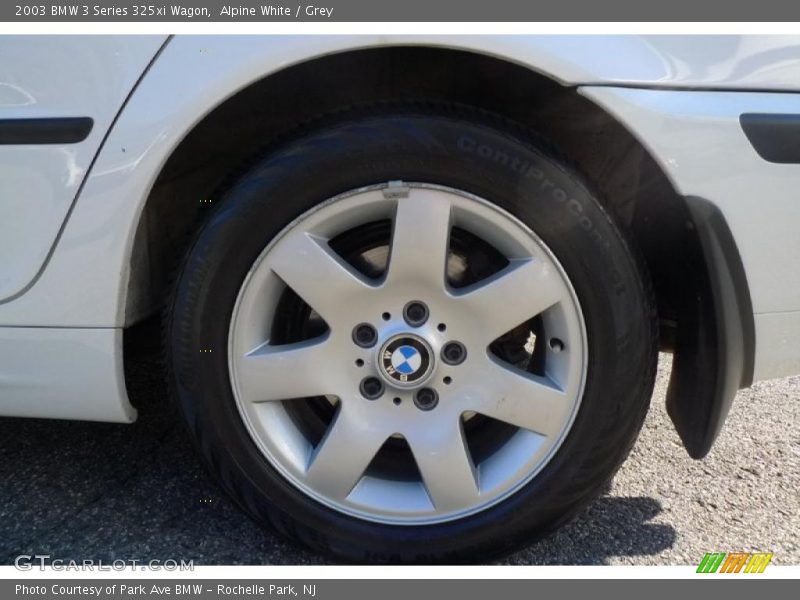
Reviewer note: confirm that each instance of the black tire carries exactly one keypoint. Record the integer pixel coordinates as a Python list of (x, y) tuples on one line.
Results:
[(466, 150)]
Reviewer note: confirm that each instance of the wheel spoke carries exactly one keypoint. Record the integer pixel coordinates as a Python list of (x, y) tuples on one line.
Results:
[(286, 372), (517, 293), (344, 453), (445, 464), (420, 240), (523, 399), (320, 277)]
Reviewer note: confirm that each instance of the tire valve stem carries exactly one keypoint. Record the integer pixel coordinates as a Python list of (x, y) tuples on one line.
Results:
[(556, 345)]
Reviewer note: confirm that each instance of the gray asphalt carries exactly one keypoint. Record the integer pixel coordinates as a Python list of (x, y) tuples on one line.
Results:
[(104, 491)]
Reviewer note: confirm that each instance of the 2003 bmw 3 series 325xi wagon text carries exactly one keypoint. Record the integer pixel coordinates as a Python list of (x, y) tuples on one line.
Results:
[(412, 288)]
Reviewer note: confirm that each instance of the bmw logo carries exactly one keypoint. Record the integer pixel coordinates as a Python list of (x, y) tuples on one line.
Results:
[(405, 360)]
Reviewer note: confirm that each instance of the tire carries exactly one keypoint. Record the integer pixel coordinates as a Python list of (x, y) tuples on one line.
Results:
[(480, 157)]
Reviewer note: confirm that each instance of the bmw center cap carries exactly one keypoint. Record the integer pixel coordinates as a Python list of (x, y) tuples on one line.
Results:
[(405, 360)]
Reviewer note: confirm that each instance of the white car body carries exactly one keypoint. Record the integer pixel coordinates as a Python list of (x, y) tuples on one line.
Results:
[(69, 213)]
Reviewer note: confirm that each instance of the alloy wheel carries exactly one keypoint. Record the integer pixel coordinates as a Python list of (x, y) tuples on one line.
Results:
[(405, 396)]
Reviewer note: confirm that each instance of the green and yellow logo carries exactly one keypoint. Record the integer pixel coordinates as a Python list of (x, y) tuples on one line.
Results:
[(734, 562)]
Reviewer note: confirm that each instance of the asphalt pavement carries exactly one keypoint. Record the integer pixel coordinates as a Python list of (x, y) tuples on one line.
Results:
[(77, 490)]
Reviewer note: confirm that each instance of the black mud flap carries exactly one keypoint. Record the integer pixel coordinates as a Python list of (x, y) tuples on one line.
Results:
[(715, 341)]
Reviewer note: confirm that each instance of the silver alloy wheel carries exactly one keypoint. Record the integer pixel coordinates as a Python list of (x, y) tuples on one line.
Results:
[(336, 470)]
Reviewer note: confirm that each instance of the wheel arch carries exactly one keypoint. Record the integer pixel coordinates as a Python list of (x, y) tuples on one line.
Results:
[(632, 184)]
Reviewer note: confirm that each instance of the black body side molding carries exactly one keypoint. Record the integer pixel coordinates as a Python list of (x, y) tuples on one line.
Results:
[(59, 130), (715, 342), (776, 138)]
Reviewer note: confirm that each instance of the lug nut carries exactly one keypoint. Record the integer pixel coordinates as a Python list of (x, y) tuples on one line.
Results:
[(415, 313), (426, 399), (371, 388), (365, 335), (454, 353)]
